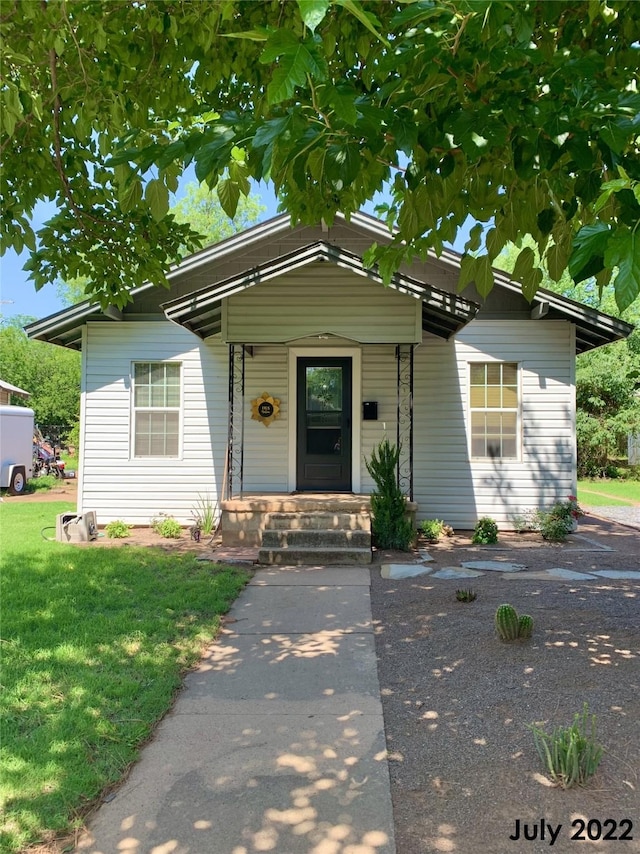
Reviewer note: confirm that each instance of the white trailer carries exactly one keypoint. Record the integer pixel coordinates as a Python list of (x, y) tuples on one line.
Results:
[(16, 447)]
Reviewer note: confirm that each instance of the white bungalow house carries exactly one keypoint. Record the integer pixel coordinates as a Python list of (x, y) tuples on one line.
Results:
[(276, 362)]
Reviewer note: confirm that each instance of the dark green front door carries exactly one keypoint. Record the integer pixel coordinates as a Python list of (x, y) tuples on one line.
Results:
[(324, 425)]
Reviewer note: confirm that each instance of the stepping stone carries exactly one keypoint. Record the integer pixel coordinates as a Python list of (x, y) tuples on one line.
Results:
[(425, 557), (617, 573), (569, 574), (404, 570), (554, 574), (494, 565), (456, 572)]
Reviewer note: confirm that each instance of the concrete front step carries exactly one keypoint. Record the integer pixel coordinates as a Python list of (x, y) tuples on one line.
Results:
[(244, 520), (314, 556), (316, 538), (319, 521)]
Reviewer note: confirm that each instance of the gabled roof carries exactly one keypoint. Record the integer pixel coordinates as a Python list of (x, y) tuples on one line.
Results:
[(13, 389), (593, 328), (443, 313)]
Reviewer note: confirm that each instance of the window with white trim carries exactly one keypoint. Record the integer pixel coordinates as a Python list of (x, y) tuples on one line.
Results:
[(494, 406), (156, 409)]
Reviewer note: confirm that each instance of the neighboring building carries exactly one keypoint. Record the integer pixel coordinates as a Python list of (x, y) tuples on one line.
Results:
[(479, 393), (7, 391)]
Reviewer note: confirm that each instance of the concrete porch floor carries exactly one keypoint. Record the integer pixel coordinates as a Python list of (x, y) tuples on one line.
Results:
[(293, 502)]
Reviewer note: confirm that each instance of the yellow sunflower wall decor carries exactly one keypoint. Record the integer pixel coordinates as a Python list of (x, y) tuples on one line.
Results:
[(265, 408)]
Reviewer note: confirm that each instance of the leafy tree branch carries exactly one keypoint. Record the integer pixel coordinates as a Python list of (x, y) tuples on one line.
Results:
[(524, 116)]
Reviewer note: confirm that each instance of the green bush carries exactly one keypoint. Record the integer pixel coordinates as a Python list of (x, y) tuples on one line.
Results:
[(432, 529), (571, 755), (555, 523), (167, 527), (117, 530), (390, 527), (485, 531)]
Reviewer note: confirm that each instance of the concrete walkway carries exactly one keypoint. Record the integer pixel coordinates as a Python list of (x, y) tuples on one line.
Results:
[(276, 743)]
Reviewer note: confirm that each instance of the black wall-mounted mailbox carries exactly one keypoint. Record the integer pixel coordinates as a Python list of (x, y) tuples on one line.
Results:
[(370, 410)]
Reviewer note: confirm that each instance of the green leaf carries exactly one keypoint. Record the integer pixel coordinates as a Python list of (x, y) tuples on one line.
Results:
[(524, 263), (588, 249), (343, 163), (494, 241), (616, 134), (409, 221), (467, 267), (260, 34), (477, 270), (271, 130), (546, 219), (292, 70), (239, 174), (157, 197), (313, 12), (130, 194), (414, 13), (531, 282), (229, 195), (213, 156), (367, 18), (556, 259), (608, 188), (623, 252), (483, 275), (342, 99), (475, 235)]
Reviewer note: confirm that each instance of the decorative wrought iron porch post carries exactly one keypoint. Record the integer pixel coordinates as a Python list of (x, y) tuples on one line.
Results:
[(235, 442), (404, 417)]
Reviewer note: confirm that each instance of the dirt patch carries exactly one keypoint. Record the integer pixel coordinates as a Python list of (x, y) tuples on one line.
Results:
[(464, 770), (64, 490)]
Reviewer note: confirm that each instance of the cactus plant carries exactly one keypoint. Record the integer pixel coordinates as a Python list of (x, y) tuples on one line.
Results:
[(510, 626), (507, 622), (525, 626)]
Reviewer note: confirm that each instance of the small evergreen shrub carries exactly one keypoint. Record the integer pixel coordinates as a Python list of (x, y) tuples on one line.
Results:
[(486, 531), (467, 595), (571, 755), (390, 527), (168, 527), (117, 530)]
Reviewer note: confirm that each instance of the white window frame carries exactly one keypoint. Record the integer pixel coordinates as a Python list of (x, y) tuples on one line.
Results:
[(140, 409), (496, 410)]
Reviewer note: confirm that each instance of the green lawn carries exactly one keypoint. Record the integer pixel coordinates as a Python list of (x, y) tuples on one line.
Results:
[(94, 643), (611, 493)]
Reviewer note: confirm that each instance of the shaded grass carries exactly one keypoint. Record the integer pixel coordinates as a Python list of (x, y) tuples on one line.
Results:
[(609, 493), (94, 643)]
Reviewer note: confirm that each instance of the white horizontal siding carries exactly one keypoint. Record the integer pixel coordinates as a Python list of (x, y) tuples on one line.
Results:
[(448, 484), (266, 448), (113, 483), (379, 384), (317, 299)]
